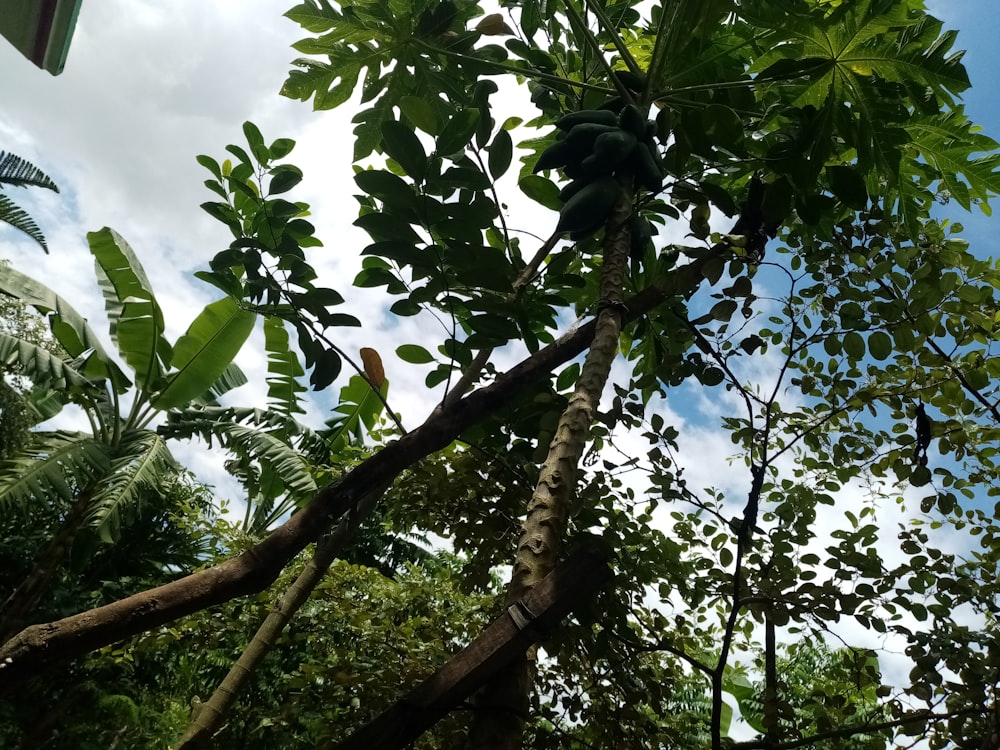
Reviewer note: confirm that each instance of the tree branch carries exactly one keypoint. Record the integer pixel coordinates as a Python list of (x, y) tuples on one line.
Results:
[(38, 646)]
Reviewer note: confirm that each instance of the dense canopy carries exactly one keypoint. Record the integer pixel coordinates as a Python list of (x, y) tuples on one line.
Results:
[(676, 220)]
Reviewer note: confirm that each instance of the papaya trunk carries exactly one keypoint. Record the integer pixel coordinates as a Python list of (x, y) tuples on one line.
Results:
[(25, 598), (501, 708), (210, 715)]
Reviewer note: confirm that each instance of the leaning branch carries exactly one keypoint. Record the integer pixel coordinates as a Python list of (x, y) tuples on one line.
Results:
[(526, 621), (39, 646)]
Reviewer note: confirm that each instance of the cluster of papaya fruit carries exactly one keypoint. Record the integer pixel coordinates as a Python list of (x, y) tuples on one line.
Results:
[(597, 149)]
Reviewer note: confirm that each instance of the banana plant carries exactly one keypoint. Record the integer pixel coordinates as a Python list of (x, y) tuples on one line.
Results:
[(279, 461), (97, 477)]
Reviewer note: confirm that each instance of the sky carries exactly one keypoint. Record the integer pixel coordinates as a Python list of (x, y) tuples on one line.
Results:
[(148, 86)]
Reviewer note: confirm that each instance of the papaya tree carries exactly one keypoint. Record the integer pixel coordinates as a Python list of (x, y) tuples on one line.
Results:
[(744, 192)]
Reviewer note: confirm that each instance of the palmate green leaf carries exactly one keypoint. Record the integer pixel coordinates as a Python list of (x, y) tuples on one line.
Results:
[(882, 62), (205, 351), (317, 16), (879, 137), (879, 71), (52, 465), (328, 84), (862, 38), (69, 328), (923, 60), (949, 142), (141, 461), (346, 42), (283, 370), (135, 317), (380, 43)]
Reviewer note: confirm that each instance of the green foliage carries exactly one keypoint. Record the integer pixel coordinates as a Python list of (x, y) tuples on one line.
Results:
[(14, 421), (21, 173), (100, 479), (23, 335), (120, 455), (821, 688), (831, 126), (327, 676), (843, 117), (108, 695), (284, 370), (265, 263)]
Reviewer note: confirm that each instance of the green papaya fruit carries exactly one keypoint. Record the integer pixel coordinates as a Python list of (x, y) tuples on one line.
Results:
[(582, 136), (582, 235), (645, 169), (590, 168), (611, 149), (614, 104), (641, 234), (555, 156), (574, 171), (664, 123), (595, 116), (633, 82), (590, 207), (631, 120), (572, 188)]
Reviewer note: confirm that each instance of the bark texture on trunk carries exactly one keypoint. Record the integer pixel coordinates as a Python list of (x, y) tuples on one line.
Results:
[(501, 707)]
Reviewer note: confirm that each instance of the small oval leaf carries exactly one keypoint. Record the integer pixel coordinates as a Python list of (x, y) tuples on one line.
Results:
[(880, 345), (501, 153), (458, 132), (541, 190), (854, 345), (420, 112), (402, 145), (414, 354)]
